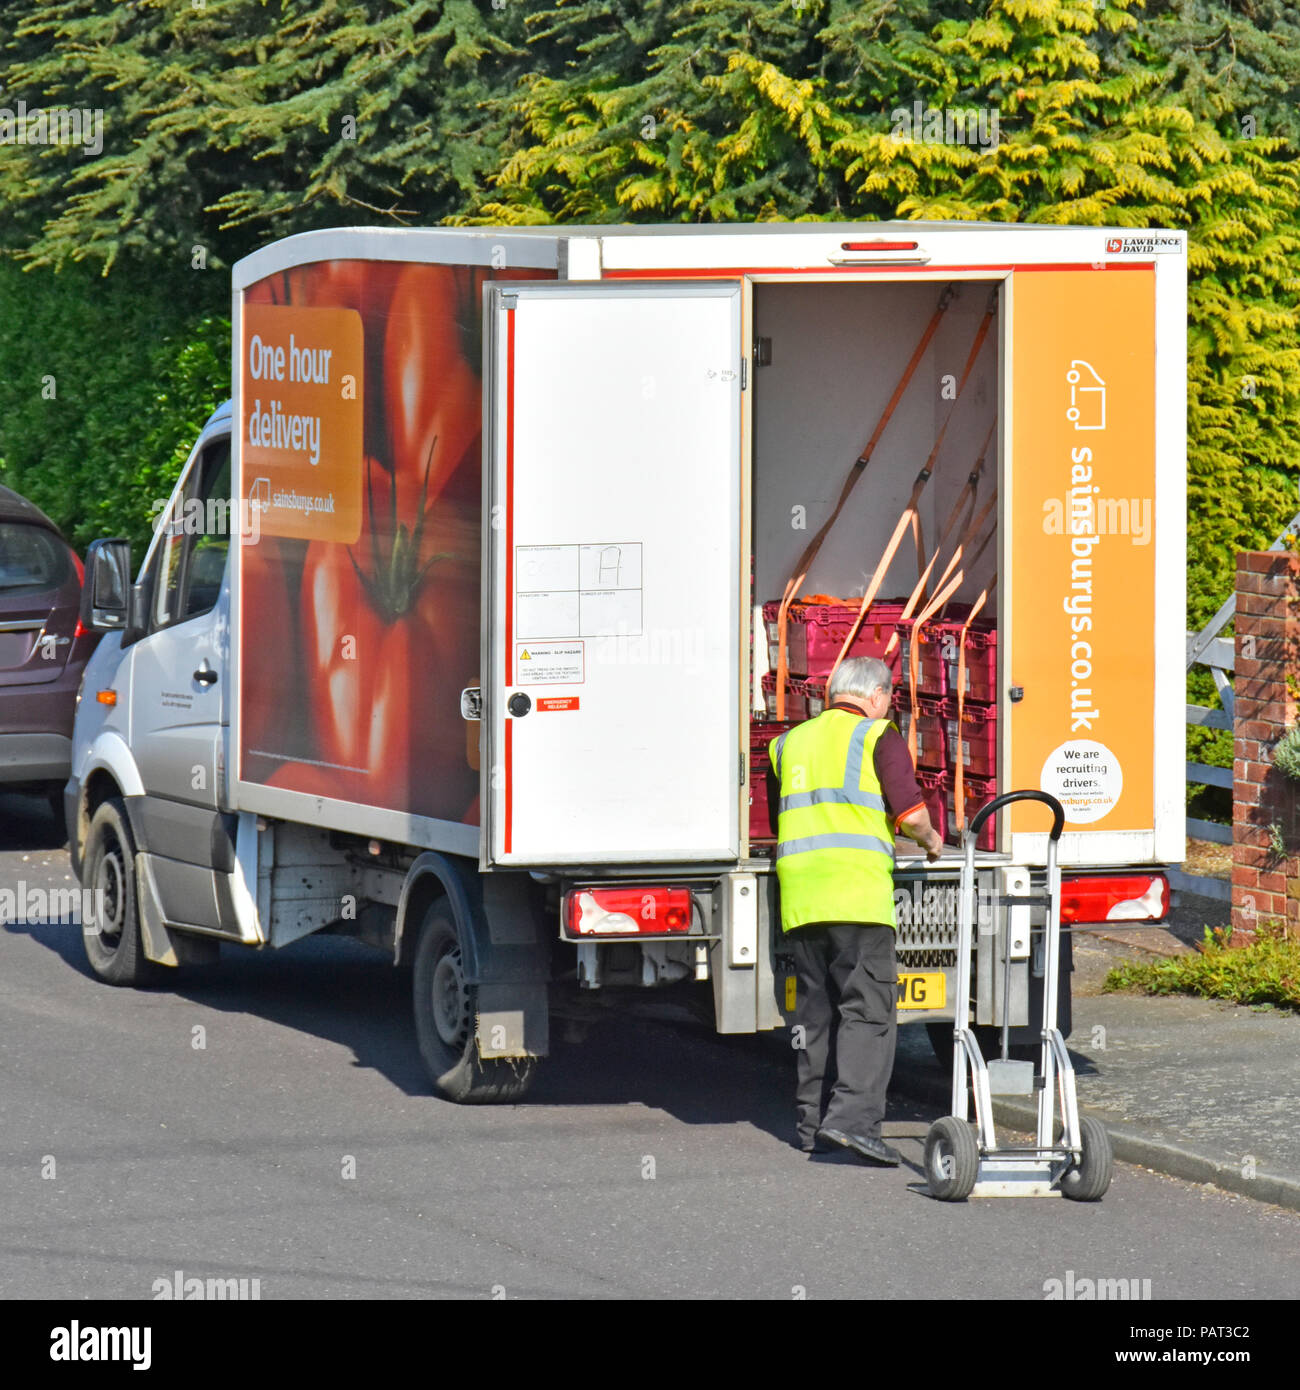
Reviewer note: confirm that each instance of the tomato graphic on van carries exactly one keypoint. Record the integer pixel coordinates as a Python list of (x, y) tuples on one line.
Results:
[(1087, 397)]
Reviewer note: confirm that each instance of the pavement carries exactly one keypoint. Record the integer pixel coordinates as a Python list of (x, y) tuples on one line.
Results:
[(1197, 1089)]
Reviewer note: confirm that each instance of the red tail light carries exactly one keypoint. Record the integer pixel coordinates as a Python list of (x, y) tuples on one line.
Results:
[(1115, 898), (79, 630), (644, 911)]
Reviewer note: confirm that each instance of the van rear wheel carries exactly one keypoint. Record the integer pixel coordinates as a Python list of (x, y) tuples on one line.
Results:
[(446, 1018), (112, 938)]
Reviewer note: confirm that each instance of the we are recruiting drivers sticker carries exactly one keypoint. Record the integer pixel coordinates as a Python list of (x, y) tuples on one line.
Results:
[(1085, 777)]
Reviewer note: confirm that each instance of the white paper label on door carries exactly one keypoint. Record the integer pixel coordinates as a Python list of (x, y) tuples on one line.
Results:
[(578, 590), (549, 663)]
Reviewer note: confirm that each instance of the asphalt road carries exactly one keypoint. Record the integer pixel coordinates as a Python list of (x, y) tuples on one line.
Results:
[(300, 1146)]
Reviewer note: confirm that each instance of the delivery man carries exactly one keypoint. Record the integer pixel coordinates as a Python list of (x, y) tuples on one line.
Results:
[(847, 786)]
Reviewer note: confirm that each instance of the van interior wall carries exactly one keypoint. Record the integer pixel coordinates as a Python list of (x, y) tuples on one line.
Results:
[(838, 351)]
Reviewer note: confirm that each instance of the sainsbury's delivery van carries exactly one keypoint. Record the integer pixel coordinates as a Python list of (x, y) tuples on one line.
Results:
[(472, 616)]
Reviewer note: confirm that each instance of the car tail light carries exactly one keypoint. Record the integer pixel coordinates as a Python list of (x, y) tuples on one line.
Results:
[(644, 911), (79, 630), (1115, 898)]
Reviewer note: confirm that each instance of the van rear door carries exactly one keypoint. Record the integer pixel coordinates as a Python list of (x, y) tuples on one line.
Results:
[(611, 650)]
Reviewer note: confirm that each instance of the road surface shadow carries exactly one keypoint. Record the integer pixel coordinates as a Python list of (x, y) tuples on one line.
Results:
[(27, 822)]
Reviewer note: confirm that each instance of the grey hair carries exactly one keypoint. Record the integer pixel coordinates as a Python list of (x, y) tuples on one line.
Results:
[(859, 676)]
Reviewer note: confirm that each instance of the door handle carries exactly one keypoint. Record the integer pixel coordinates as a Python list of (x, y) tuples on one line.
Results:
[(205, 675)]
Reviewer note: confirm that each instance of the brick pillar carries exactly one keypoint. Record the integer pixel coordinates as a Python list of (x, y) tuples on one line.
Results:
[(1266, 687)]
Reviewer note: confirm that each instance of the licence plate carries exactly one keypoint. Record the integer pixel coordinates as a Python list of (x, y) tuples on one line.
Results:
[(924, 991)]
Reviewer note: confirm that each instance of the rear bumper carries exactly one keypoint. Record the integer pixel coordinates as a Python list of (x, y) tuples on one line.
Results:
[(35, 757)]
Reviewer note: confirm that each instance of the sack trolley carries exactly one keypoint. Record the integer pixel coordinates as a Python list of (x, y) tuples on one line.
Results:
[(1071, 1160)]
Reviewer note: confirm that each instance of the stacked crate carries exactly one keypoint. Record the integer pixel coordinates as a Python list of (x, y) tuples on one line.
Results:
[(816, 632), (760, 739), (974, 739)]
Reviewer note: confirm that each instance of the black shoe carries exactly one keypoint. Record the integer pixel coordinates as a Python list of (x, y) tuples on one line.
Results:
[(813, 1144), (873, 1150)]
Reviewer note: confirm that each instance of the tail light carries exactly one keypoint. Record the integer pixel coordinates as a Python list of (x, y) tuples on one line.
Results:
[(1115, 898), (79, 630), (644, 911)]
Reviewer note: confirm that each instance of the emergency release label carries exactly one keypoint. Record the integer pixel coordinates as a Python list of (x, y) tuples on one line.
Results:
[(549, 663)]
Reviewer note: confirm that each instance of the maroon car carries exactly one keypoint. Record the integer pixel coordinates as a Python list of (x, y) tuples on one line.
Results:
[(43, 649)]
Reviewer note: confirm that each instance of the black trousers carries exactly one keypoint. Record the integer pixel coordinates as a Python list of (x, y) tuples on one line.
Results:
[(847, 996)]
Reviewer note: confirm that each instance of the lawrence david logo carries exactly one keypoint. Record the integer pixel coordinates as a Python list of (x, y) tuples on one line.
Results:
[(1142, 245), (59, 125)]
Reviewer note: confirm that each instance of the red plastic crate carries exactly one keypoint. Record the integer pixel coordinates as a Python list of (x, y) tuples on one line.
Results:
[(815, 632), (981, 672), (976, 792), (932, 671), (813, 690), (931, 728), (760, 737), (976, 743), (796, 702), (934, 788)]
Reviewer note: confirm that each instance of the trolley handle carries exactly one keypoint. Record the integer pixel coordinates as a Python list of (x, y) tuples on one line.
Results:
[(998, 802)]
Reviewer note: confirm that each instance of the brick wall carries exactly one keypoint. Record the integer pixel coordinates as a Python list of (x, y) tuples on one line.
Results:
[(1265, 884)]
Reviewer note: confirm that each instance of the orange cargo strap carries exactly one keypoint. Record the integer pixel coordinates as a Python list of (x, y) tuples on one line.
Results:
[(914, 648), (985, 322), (947, 587), (856, 472), (973, 523), (910, 515)]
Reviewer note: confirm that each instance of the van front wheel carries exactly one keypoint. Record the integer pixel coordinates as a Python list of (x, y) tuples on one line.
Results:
[(446, 1018), (111, 936)]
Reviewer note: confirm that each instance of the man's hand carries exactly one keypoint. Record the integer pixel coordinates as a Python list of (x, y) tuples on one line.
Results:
[(917, 827)]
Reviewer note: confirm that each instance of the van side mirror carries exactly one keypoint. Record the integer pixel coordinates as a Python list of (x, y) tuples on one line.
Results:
[(106, 593)]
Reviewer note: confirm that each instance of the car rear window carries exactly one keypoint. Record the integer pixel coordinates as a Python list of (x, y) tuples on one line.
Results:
[(31, 558)]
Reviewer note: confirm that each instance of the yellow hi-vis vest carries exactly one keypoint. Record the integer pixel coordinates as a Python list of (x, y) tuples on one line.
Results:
[(835, 845)]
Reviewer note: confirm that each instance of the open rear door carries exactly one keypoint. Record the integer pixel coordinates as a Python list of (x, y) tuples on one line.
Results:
[(612, 539)]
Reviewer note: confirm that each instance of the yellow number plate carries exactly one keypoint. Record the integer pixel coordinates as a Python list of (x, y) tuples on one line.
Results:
[(926, 991)]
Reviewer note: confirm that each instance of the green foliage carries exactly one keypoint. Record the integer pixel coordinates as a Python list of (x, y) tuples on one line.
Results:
[(235, 121), (1236, 62), (1265, 972), (1286, 754), (134, 367), (228, 124), (724, 109)]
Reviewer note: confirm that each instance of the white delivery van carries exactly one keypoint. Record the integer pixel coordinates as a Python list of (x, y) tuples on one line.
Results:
[(472, 616)]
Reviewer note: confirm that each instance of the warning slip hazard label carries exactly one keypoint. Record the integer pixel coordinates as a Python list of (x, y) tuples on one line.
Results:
[(550, 663)]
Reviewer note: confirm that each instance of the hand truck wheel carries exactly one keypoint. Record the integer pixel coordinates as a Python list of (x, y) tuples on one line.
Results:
[(952, 1159), (1088, 1179)]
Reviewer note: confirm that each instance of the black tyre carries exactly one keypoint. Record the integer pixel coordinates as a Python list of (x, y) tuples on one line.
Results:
[(113, 943), (952, 1159), (1088, 1179), (446, 1015)]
